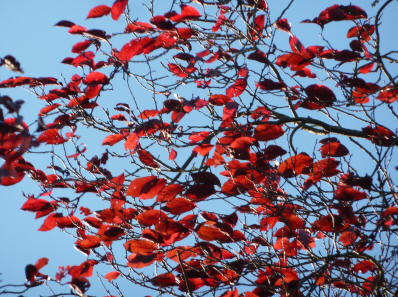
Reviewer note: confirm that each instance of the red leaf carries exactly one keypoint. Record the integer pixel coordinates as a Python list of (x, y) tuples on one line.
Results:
[(148, 114), (273, 151), (85, 269), (195, 137), (92, 91), (363, 32), (200, 192), (137, 185), (112, 275), (172, 155), (297, 47), (147, 159), (49, 223), (324, 168), (329, 223), (99, 11), (185, 33), (333, 149), (295, 62), (89, 242), (380, 135), (118, 117), (258, 56), (132, 141), (161, 22), (140, 261), (305, 72), (295, 165), (243, 72), (187, 13), (144, 247), (164, 280), (392, 210), (35, 205), (64, 23), (145, 187), (69, 221), (347, 238), (30, 273), (151, 217), (268, 223), (203, 149), (366, 68), (260, 22), (365, 266), (96, 78), (139, 27), (76, 29), (110, 233), (388, 94), (81, 46), (41, 263), (118, 8), (237, 88), (270, 85), (350, 179), (179, 205), (219, 99), (169, 192), (209, 231), (283, 24), (344, 193), (320, 94), (338, 13), (180, 71), (51, 136), (229, 112), (112, 139), (266, 132), (242, 143)]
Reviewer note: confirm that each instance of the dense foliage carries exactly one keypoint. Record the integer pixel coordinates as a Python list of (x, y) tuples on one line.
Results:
[(205, 150)]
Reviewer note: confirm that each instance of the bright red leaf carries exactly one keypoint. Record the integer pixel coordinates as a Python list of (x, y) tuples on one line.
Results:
[(51, 136), (267, 132), (347, 238), (169, 192), (295, 165), (237, 88), (219, 99), (147, 159), (179, 205), (344, 193), (164, 280), (118, 8), (333, 149), (145, 187), (81, 46), (96, 78), (209, 232), (112, 139), (99, 11), (151, 217), (112, 275), (141, 246)]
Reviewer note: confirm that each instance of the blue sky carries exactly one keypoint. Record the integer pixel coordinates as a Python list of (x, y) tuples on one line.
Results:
[(28, 33)]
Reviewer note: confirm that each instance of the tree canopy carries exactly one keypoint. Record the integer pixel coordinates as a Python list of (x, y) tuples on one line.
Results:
[(206, 149)]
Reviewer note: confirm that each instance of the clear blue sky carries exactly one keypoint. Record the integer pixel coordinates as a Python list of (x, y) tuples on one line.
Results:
[(27, 33)]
